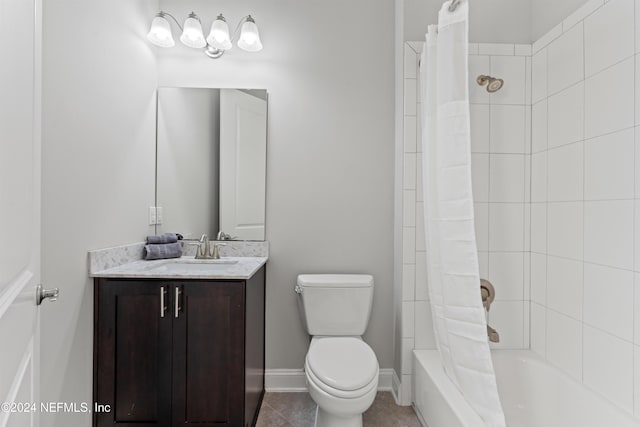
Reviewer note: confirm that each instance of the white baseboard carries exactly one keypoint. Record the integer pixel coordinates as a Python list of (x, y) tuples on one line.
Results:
[(293, 380), (395, 387)]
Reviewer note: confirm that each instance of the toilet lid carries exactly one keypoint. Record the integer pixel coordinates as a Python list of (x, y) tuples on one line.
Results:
[(344, 363)]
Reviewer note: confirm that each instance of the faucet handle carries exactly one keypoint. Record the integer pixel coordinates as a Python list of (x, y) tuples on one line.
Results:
[(216, 250), (199, 253)]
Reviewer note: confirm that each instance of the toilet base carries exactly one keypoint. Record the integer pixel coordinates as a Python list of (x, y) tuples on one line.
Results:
[(325, 419)]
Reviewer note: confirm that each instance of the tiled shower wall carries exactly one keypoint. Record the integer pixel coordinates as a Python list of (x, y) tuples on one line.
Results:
[(500, 135), (585, 217)]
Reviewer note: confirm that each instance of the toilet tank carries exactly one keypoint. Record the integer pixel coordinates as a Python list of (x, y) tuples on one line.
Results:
[(336, 304)]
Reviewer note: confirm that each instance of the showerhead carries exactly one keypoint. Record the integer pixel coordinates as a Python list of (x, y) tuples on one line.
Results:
[(493, 84)]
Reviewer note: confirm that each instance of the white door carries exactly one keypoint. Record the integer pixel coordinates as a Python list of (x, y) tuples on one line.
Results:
[(243, 163), (20, 50)]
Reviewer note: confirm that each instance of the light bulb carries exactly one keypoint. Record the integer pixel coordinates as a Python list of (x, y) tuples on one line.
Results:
[(160, 32), (192, 33), (219, 34), (249, 36)]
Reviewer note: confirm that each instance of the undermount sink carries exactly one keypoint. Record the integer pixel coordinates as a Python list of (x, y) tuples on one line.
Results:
[(192, 265)]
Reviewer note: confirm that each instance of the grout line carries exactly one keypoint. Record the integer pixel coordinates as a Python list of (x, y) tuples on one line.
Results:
[(584, 134)]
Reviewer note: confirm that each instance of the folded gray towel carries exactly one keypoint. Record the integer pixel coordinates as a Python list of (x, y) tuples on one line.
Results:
[(162, 239), (162, 251)]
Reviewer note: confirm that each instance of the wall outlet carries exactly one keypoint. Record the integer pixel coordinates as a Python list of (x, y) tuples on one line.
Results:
[(153, 218), (158, 215)]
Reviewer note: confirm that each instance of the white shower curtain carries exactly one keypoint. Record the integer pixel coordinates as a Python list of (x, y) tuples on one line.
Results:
[(452, 258)]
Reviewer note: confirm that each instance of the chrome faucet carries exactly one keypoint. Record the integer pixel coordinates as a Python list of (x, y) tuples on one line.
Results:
[(224, 236), (207, 252)]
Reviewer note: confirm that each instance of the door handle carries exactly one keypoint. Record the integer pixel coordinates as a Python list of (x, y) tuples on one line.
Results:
[(42, 294), (177, 302), (163, 307)]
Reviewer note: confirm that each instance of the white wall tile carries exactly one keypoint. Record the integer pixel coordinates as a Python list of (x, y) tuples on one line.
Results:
[(539, 177), (539, 76), (609, 100), (409, 170), (637, 92), (527, 276), (507, 129), (506, 317), (585, 10), (410, 97), (637, 19), (636, 233), (424, 326), (409, 208), (565, 173), (609, 35), (609, 166), (408, 245), (608, 365), (408, 282), (410, 63), (564, 229), (637, 163), (478, 65), (480, 177), (419, 183), (527, 183), (406, 366), (527, 129), (539, 126), (608, 236), (506, 272), (565, 116), (507, 178), (564, 343), (526, 325), (408, 319), (608, 300), (564, 286), (539, 227), (480, 128), (538, 329), (506, 222), (495, 49), (420, 235), (512, 70), (565, 60), (410, 134), (481, 213), (636, 368), (539, 278), (636, 308), (422, 290), (483, 262)]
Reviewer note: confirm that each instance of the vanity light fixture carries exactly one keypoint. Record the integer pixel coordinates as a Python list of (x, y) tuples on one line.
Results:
[(217, 42)]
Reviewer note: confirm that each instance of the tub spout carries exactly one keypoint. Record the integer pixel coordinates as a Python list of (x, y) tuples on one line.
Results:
[(493, 334)]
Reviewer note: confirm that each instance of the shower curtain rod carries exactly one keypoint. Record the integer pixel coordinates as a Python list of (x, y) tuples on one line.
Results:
[(454, 4)]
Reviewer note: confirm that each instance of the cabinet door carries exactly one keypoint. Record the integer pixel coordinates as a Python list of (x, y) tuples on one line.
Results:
[(208, 354), (132, 354)]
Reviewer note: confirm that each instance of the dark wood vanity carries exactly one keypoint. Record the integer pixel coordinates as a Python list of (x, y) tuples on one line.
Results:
[(176, 352)]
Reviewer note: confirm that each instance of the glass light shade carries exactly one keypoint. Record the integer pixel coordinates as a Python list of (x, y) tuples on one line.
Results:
[(250, 37), (160, 32), (219, 34), (192, 34)]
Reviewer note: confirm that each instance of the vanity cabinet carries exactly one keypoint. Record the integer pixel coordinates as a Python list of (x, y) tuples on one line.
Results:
[(172, 353)]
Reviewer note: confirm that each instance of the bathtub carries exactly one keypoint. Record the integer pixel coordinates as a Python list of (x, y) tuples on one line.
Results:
[(533, 394)]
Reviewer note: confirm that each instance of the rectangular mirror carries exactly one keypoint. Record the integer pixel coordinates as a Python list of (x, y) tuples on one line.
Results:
[(211, 151)]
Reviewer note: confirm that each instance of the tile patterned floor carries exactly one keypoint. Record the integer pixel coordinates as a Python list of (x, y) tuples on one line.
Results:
[(299, 410)]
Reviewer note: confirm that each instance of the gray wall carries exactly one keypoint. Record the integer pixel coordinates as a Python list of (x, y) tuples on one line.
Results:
[(493, 21), (328, 66), (490, 21), (99, 81)]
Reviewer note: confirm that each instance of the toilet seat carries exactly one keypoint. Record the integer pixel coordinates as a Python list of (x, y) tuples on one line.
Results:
[(342, 366)]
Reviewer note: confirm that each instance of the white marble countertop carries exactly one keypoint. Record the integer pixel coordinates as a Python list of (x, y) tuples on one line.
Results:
[(186, 267)]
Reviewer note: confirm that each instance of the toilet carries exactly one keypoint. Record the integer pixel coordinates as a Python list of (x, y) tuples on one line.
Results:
[(341, 369)]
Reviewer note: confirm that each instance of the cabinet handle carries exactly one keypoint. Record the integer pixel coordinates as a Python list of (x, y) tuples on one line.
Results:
[(163, 307), (177, 301)]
